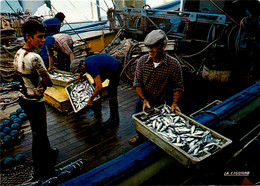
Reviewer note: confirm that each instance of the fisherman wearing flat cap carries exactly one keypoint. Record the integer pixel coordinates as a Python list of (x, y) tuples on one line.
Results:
[(102, 67), (158, 77), (63, 45)]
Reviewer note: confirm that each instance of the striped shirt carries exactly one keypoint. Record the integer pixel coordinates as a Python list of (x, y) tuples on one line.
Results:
[(64, 42), (158, 84)]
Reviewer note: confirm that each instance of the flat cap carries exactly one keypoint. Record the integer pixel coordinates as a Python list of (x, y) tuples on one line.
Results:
[(155, 38), (75, 65)]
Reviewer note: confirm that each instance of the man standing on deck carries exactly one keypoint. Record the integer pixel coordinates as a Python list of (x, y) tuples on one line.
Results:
[(158, 77), (102, 67), (54, 24), (34, 79), (63, 45)]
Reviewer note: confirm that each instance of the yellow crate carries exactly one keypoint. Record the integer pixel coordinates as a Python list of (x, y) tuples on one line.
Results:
[(57, 97)]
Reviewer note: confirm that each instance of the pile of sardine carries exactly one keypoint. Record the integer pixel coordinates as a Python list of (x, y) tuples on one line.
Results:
[(180, 132), (62, 77), (80, 94)]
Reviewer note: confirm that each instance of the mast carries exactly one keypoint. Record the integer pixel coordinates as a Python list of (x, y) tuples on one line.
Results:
[(98, 10)]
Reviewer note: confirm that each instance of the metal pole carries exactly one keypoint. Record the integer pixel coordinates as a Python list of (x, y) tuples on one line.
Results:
[(98, 10)]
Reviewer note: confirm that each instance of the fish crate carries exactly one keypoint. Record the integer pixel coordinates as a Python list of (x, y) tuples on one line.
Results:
[(57, 97), (79, 93), (174, 144), (63, 78)]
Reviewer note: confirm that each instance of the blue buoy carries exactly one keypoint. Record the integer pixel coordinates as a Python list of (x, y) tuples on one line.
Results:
[(15, 126), (13, 117), (9, 162), (7, 123), (23, 116), (19, 110), (2, 134), (13, 113), (14, 133), (7, 138), (17, 120), (20, 158), (7, 130)]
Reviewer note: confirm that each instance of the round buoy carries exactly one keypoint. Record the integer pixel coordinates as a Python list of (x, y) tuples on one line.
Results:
[(13, 113), (13, 117), (7, 123), (20, 158), (8, 162), (7, 138), (14, 133), (17, 120), (19, 110), (23, 116), (2, 134), (15, 126), (7, 130)]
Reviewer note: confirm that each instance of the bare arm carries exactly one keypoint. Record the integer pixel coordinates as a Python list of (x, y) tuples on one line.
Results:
[(50, 63), (46, 82), (71, 57), (176, 97), (139, 92), (98, 87)]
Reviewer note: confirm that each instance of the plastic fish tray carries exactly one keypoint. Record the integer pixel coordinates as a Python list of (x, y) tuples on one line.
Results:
[(79, 94), (173, 150)]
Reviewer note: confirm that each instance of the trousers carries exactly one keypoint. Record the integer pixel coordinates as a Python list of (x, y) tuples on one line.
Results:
[(41, 149)]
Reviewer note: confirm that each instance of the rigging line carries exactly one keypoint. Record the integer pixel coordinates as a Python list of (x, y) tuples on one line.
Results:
[(106, 4), (205, 47), (214, 4), (69, 25), (152, 22), (10, 6), (113, 4), (100, 7)]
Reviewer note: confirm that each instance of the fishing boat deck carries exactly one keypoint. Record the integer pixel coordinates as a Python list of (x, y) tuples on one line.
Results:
[(81, 136)]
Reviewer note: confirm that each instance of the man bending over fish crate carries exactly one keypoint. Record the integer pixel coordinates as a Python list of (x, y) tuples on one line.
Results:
[(34, 79), (158, 78), (102, 67), (63, 45)]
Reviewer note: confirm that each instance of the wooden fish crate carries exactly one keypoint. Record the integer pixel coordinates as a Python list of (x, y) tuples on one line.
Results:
[(173, 150), (57, 97), (63, 83)]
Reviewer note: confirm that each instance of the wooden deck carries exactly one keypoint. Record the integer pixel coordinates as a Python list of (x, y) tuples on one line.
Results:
[(81, 136)]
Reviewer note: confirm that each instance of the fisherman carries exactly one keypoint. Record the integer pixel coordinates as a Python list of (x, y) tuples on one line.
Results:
[(102, 67), (63, 45), (34, 78), (54, 24), (158, 77)]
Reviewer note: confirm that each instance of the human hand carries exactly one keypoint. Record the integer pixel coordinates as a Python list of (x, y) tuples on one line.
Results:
[(90, 102), (39, 91), (146, 104), (175, 107)]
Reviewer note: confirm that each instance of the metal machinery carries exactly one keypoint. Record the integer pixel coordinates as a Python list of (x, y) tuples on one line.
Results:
[(213, 38)]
